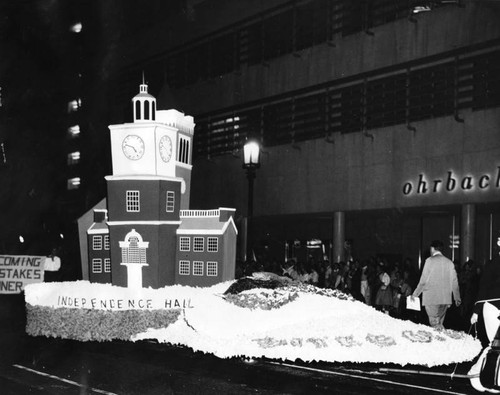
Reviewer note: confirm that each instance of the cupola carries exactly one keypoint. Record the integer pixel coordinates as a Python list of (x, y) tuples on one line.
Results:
[(144, 104)]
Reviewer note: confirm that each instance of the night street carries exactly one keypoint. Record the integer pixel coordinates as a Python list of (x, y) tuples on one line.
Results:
[(54, 366), (249, 197)]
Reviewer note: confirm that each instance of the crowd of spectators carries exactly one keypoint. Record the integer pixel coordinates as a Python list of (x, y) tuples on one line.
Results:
[(375, 281)]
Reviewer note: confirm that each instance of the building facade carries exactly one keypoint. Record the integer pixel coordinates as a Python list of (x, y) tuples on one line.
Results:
[(378, 120)]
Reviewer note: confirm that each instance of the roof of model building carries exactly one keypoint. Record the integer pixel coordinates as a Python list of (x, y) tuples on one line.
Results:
[(208, 224)]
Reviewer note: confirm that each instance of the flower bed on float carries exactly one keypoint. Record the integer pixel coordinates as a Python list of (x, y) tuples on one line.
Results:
[(288, 322)]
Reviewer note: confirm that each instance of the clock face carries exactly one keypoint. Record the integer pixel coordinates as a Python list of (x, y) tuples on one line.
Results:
[(133, 147), (165, 148)]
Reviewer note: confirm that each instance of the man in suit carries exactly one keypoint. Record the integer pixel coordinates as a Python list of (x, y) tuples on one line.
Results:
[(437, 283)]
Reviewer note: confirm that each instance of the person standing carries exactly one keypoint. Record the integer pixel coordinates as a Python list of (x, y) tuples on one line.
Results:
[(437, 284)]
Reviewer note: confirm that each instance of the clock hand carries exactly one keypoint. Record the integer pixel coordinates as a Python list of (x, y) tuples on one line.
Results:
[(128, 145)]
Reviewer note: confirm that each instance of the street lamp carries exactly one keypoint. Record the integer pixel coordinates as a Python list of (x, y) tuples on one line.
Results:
[(251, 162)]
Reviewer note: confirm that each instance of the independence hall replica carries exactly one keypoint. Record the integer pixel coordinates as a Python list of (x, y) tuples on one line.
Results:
[(379, 121)]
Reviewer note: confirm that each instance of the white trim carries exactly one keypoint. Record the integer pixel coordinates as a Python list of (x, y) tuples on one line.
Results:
[(142, 177), (215, 213), (227, 209), (199, 232), (113, 223), (133, 125), (224, 228), (184, 165), (91, 231)]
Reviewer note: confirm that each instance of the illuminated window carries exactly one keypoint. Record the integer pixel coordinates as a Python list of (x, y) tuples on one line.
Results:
[(74, 130), (213, 244), (97, 265), (212, 269), (74, 183), (107, 265), (106, 242), (197, 268), (133, 202), (76, 28), (184, 268), (198, 244), (97, 243), (185, 243), (73, 158), (170, 201), (74, 105)]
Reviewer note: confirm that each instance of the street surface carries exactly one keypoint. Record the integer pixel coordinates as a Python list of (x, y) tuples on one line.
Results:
[(41, 365)]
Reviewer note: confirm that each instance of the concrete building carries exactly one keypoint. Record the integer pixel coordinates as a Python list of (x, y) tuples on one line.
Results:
[(379, 120)]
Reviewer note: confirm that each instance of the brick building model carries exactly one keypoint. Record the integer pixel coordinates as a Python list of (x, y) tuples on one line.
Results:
[(147, 236)]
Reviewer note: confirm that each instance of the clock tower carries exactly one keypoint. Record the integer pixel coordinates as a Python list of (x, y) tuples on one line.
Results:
[(150, 184)]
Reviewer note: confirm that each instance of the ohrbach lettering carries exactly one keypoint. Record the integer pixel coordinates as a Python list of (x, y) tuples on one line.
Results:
[(452, 182)]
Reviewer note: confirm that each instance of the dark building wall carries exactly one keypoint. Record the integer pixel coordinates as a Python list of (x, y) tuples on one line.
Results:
[(371, 143), (357, 172), (160, 254), (186, 196), (166, 254), (102, 254), (205, 256), (152, 199), (228, 265)]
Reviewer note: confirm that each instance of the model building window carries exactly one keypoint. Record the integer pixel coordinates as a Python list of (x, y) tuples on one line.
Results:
[(133, 202), (211, 268), (198, 244), (138, 110), (107, 265), (170, 201), (96, 265), (185, 243), (106, 242), (197, 268), (184, 268), (97, 242), (213, 244), (183, 154)]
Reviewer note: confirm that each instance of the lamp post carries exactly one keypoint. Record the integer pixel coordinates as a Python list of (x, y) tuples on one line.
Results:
[(251, 162)]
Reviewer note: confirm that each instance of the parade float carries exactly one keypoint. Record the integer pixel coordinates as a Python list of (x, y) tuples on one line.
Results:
[(154, 269), (291, 321)]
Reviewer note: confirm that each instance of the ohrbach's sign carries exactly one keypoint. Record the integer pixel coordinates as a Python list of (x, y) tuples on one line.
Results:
[(16, 271), (452, 183)]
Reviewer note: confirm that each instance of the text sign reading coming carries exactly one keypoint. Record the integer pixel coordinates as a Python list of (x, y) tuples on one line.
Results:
[(16, 271)]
